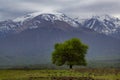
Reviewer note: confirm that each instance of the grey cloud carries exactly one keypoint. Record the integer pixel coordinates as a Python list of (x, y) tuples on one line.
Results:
[(110, 7), (74, 8), (102, 7)]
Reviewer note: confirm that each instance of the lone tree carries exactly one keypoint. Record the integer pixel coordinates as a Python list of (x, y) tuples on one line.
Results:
[(71, 52)]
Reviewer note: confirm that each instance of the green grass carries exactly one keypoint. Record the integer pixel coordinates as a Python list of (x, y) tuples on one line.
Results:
[(97, 74)]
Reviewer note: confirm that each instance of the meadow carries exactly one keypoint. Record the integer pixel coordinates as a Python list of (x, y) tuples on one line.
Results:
[(74, 74)]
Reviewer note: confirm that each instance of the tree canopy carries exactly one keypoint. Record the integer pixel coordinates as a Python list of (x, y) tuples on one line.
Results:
[(71, 52)]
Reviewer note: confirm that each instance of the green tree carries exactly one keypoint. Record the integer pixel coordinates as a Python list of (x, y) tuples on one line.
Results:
[(71, 52)]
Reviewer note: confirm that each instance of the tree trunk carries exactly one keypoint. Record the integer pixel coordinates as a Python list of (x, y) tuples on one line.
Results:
[(70, 66)]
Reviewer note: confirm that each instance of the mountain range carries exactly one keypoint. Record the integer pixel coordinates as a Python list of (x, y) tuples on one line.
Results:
[(30, 39), (104, 24)]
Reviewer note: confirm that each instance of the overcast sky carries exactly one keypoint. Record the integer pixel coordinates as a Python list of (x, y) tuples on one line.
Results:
[(10, 9)]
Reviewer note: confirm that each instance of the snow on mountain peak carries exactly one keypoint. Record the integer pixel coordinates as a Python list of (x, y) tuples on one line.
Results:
[(51, 15), (104, 17), (32, 15), (103, 24)]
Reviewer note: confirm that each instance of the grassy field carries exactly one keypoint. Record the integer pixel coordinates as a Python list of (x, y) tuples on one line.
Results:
[(75, 74)]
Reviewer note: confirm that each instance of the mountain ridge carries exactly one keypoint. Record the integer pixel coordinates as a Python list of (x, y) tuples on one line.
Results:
[(104, 24)]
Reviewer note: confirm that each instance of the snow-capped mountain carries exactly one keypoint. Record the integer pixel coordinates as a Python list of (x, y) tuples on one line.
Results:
[(35, 20), (104, 24), (48, 16)]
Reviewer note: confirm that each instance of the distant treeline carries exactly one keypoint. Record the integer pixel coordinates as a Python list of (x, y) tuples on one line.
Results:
[(51, 66)]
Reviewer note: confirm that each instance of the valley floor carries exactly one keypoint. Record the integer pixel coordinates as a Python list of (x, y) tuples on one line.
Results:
[(75, 74)]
